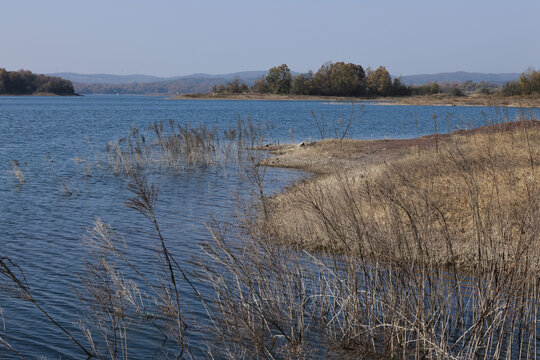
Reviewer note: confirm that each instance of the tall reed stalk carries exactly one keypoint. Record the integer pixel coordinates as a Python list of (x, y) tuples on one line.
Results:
[(435, 256)]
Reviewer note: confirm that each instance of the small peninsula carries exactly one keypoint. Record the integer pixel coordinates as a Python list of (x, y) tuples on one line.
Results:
[(24, 82), (342, 81)]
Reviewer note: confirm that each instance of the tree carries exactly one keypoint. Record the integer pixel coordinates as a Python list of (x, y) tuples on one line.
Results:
[(279, 79), (235, 87), (512, 88), (380, 82), (530, 81), (260, 86), (302, 84), (24, 82), (398, 89), (434, 88), (456, 91), (219, 89), (346, 79), (3, 74), (339, 79)]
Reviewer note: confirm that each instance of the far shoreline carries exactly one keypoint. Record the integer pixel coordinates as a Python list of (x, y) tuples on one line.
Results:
[(426, 100), (41, 94)]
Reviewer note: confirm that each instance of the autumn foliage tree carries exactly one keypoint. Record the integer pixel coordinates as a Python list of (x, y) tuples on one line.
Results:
[(379, 82), (530, 82), (339, 79)]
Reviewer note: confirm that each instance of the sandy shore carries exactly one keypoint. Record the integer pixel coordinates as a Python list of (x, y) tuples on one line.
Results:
[(325, 156)]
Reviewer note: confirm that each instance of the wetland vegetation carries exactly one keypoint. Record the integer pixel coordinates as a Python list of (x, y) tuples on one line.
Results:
[(413, 248)]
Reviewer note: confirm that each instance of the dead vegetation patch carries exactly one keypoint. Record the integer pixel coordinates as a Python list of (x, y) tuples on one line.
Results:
[(468, 199)]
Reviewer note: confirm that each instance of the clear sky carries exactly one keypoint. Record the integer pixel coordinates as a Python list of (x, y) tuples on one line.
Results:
[(176, 37)]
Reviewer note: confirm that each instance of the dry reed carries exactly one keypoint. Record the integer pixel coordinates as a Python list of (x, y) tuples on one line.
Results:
[(181, 147), (18, 172), (433, 256)]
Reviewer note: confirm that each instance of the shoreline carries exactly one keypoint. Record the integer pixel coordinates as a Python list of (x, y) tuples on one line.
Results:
[(362, 179), (324, 157), (426, 100), (261, 97), (40, 94)]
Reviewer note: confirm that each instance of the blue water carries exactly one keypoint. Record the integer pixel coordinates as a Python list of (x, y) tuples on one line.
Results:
[(41, 228)]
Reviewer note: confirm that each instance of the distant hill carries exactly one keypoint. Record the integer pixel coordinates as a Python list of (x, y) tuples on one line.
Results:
[(459, 76), (143, 84), (138, 78), (107, 78), (245, 76), (146, 84)]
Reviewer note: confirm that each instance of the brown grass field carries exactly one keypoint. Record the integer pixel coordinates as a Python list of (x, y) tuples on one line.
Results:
[(465, 199)]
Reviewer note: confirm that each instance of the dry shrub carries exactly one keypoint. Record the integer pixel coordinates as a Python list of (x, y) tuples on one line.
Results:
[(436, 255)]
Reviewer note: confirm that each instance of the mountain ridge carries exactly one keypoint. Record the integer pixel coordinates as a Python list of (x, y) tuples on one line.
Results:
[(141, 78), (415, 79), (459, 76), (202, 82)]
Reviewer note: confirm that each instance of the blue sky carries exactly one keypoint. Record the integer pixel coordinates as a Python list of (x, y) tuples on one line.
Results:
[(169, 38)]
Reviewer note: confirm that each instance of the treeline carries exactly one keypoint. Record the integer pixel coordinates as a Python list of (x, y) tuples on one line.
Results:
[(24, 82), (332, 79), (181, 86), (233, 87), (347, 79), (528, 84)]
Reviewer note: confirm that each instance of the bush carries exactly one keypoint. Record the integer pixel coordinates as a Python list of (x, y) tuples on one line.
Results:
[(455, 91), (512, 88)]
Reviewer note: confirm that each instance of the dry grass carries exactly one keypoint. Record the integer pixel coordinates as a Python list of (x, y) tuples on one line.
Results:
[(164, 148), (480, 186), (434, 255), (176, 146)]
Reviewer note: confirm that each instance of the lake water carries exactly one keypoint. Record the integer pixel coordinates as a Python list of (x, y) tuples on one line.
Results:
[(41, 228)]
